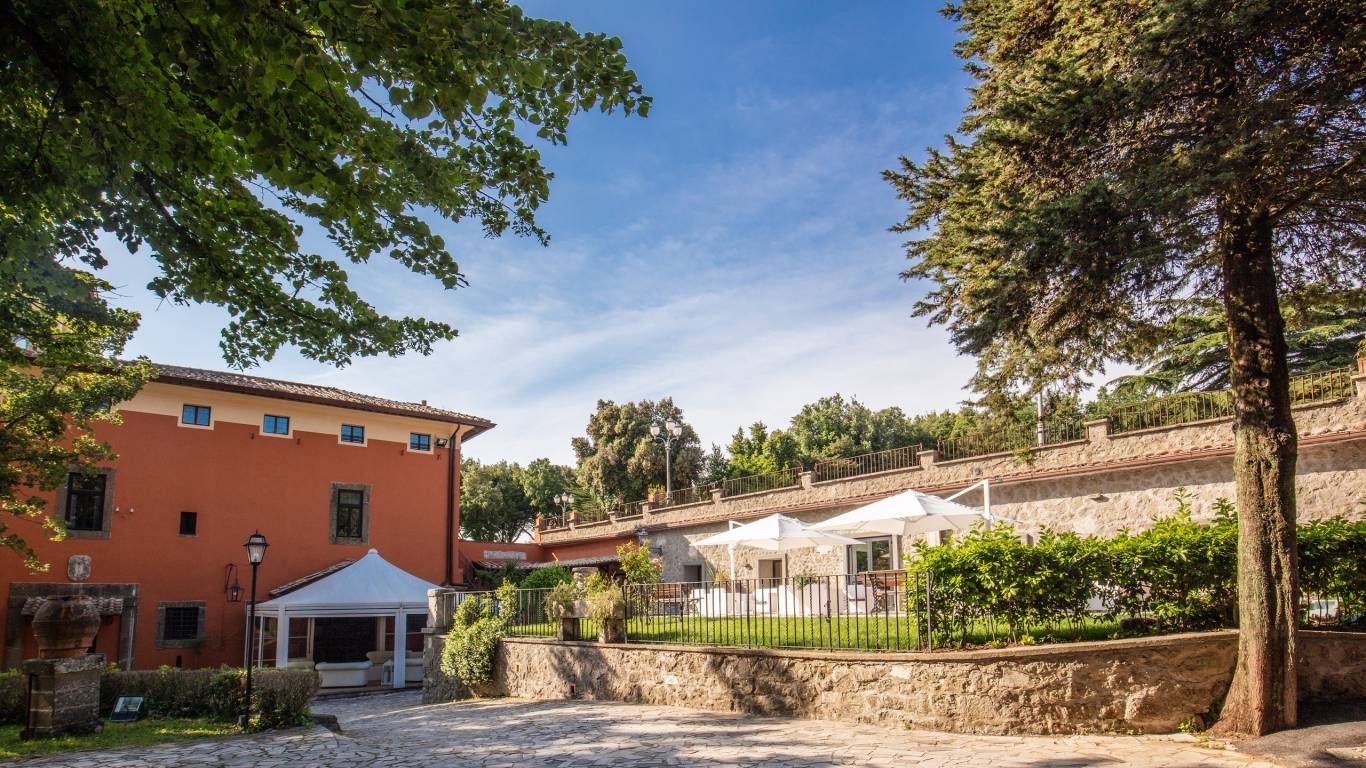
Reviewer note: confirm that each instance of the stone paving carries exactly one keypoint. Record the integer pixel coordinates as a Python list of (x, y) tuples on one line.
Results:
[(397, 730)]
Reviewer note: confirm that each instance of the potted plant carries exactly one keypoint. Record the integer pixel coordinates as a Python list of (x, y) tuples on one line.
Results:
[(607, 606), (563, 608)]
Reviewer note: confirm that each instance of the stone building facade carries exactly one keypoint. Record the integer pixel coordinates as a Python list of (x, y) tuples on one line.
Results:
[(1097, 485)]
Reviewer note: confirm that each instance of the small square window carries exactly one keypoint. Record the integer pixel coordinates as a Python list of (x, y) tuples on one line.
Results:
[(189, 523), (352, 433), (181, 623), (195, 415), (419, 442), (275, 425)]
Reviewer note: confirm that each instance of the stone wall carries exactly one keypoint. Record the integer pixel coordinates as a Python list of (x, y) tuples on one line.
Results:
[(1095, 486), (1147, 685)]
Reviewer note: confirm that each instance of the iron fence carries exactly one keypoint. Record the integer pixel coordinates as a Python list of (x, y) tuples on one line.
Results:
[(1321, 386), (692, 495), (1172, 410), (866, 611), (867, 464), (772, 481)]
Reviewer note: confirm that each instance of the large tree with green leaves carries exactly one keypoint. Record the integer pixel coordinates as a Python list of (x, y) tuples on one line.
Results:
[(258, 152), (493, 502), (1115, 155), (619, 460), (1324, 329)]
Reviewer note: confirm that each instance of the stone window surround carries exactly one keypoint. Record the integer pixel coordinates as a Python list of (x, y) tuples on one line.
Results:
[(198, 640), (332, 536), (107, 516)]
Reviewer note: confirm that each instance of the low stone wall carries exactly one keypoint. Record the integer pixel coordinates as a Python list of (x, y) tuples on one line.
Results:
[(1145, 685)]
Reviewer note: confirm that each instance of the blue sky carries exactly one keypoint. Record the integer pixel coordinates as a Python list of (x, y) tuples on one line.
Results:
[(730, 251)]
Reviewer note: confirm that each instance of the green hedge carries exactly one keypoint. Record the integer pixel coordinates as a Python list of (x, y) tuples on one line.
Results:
[(281, 696), (13, 697), (1177, 575)]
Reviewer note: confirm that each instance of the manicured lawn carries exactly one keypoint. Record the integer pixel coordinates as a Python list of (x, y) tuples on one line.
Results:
[(141, 733), (882, 632)]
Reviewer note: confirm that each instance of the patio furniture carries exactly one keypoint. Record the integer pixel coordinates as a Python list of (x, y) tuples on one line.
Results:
[(342, 674), (379, 659)]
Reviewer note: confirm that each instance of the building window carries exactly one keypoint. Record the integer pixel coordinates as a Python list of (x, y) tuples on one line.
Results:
[(180, 624), (189, 523), (352, 433), (420, 442), (275, 425), (85, 496), (350, 523), (195, 415), (880, 550)]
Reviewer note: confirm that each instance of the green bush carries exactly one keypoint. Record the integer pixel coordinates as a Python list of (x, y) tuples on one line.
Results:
[(472, 642), (281, 695), (1331, 556), (13, 697), (1176, 575), (545, 578)]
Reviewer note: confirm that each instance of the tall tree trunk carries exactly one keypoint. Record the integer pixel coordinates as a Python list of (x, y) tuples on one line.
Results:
[(1262, 697)]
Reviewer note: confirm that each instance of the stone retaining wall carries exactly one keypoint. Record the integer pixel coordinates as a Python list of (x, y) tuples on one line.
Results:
[(1146, 685)]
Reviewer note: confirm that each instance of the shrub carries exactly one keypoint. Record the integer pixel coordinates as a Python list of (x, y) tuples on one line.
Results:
[(637, 565), (281, 695), (1331, 555), (545, 578), (472, 642), (13, 697), (559, 601)]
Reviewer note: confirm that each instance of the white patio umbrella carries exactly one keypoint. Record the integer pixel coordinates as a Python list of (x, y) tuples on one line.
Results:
[(777, 533), (906, 514)]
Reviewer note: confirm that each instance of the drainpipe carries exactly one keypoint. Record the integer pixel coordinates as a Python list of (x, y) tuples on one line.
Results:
[(452, 448)]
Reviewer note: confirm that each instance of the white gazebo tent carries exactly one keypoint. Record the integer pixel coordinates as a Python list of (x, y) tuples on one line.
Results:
[(777, 533), (910, 513), (369, 587)]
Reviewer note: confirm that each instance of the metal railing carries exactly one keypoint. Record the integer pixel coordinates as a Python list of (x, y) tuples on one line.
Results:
[(1321, 386), (867, 464), (867, 611), (693, 495), (1171, 410), (772, 481)]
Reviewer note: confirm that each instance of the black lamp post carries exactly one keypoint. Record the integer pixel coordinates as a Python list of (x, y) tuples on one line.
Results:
[(256, 552), (667, 434)]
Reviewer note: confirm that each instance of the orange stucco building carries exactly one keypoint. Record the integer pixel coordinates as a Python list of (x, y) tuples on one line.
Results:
[(204, 459)]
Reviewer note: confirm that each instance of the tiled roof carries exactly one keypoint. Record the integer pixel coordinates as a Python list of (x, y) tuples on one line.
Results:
[(311, 393)]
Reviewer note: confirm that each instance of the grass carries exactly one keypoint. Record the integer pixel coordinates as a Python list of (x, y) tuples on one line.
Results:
[(876, 633), (114, 735)]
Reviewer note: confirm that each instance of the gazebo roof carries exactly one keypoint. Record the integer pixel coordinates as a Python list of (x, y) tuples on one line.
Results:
[(369, 584)]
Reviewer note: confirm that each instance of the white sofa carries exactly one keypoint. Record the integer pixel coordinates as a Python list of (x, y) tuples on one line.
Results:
[(342, 674), (412, 667)]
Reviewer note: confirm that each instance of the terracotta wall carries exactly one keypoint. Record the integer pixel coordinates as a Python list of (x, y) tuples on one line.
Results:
[(238, 481)]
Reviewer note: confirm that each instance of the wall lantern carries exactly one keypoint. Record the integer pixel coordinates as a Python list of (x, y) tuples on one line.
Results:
[(230, 585)]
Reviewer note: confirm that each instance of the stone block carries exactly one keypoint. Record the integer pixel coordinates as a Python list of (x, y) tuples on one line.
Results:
[(64, 696)]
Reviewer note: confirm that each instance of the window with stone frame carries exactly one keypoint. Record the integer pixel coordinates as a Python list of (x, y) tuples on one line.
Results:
[(180, 624), (350, 523), (85, 502)]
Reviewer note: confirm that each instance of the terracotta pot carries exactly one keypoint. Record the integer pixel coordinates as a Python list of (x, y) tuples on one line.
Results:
[(65, 626)]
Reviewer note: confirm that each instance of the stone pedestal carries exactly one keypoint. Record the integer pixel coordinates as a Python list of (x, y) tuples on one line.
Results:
[(63, 696)]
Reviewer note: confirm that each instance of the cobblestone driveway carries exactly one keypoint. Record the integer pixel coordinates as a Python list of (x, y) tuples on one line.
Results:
[(397, 730)]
